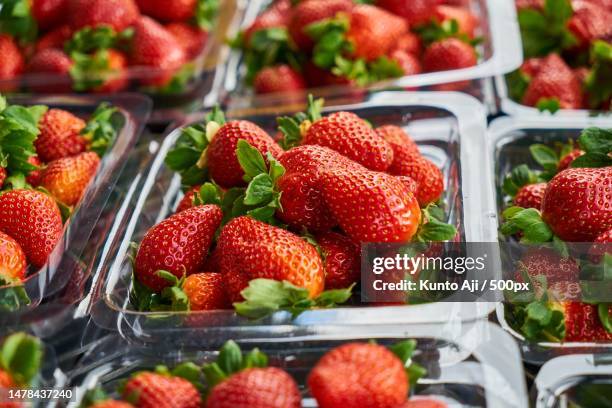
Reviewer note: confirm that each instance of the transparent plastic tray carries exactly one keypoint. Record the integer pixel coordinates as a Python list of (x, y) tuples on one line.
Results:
[(500, 53), (67, 261), (581, 380), (479, 368), (450, 130), (509, 140)]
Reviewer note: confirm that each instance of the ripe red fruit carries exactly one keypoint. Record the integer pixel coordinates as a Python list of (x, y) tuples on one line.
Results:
[(601, 246), (251, 249), (156, 48), (567, 160), (111, 404), (33, 178), (341, 259), (68, 178), (48, 13), (554, 80), (178, 245), (409, 63), (192, 38), (223, 163), (352, 137), (50, 61), (279, 78), (60, 135), (374, 31), (577, 203), (447, 54), (151, 390), (582, 323), (427, 175), (414, 11), (55, 39), (359, 375), (410, 43), (6, 381), (115, 77), (176, 10), (316, 76), (187, 200), (548, 263), (33, 219), (404, 147), (268, 387), (206, 291), (3, 176), (590, 22), (530, 196), (119, 14), (410, 184), (12, 60), (531, 66), (423, 402), (277, 15), (310, 11), (371, 206), (465, 19), (12, 260)]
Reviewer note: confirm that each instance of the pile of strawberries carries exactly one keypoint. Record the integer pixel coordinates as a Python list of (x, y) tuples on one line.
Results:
[(567, 201), (313, 43), (568, 55), (101, 46), (364, 375), (271, 224), (47, 159)]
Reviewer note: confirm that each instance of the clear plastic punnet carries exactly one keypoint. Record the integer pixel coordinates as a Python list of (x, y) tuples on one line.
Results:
[(480, 367), (449, 128), (500, 53), (581, 380), (509, 141), (73, 257)]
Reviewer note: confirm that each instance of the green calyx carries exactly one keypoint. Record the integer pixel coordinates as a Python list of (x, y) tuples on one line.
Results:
[(89, 39), (404, 350), (519, 176), (597, 145), (293, 127), (16, 19), (433, 228), (232, 360), (551, 105), (518, 82), (599, 81), (21, 356), (264, 297), (435, 30), (102, 128), (206, 13)]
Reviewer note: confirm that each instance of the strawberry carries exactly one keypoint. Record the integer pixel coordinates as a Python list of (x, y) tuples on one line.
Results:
[(549, 264), (3, 176), (48, 13), (274, 17), (111, 404), (341, 260), (567, 160), (577, 203), (465, 19), (363, 375), (447, 54), (118, 14), (279, 78), (582, 323), (55, 38), (12, 260), (206, 291), (409, 63), (532, 66), (590, 22), (33, 219), (193, 39), (156, 48), (311, 11), (250, 249), (187, 200), (151, 390), (426, 174), (423, 402), (50, 61), (410, 184), (410, 43), (115, 76), (554, 81), (352, 137), (12, 61), (223, 163), (67, 179), (374, 31), (316, 76), (60, 135), (601, 246), (371, 206), (404, 147), (268, 387), (178, 245), (530, 196), (414, 11), (163, 11)]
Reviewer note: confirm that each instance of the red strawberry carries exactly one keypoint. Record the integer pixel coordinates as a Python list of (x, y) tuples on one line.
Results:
[(178, 245), (374, 31), (577, 203), (548, 263), (268, 387), (359, 375), (316, 76), (342, 260), (67, 179), (33, 178), (177, 10), (152, 390), (410, 43), (187, 200), (60, 135), (567, 160), (465, 19), (414, 11), (223, 163), (601, 246), (310, 11), (279, 78), (119, 14), (206, 291), (111, 404), (530, 196), (6, 382), (409, 63), (12, 260), (50, 61), (12, 60), (554, 80), (582, 323), (410, 184), (192, 38), (530, 4), (352, 137), (423, 402), (276, 16), (3, 176), (156, 48), (115, 76), (590, 22), (251, 249), (532, 66), (427, 175), (404, 147), (48, 13), (55, 39), (371, 206), (447, 54), (33, 219)]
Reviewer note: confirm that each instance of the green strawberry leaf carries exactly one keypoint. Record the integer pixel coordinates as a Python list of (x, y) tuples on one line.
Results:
[(329, 36), (605, 316), (545, 157), (190, 372), (404, 350), (216, 115), (260, 190), (209, 193), (206, 13), (291, 127), (16, 19), (255, 358), (520, 176), (545, 31), (597, 144), (384, 68), (432, 229), (517, 82), (21, 356), (268, 47), (231, 361), (102, 128), (88, 39), (356, 70), (529, 222), (13, 297), (551, 105), (599, 80), (334, 297), (93, 396), (251, 160), (230, 358)]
